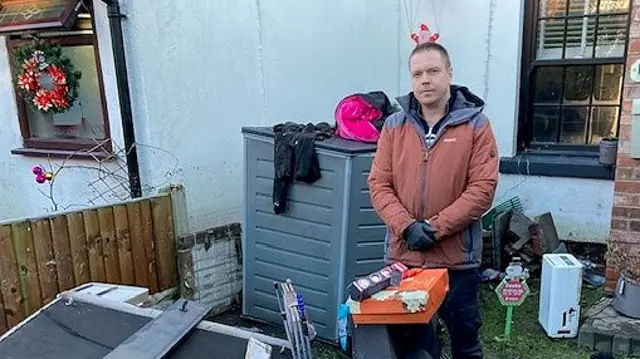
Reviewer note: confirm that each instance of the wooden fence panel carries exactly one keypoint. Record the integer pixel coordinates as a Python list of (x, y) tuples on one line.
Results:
[(9, 279), (126, 243), (109, 245), (123, 239), (78, 244), (137, 244), (62, 252), (3, 320), (164, 241), (47, 271), (94, 246), (28, 266), (149, 244)]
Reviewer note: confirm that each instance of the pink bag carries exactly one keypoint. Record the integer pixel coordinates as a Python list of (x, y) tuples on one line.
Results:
[(360, 117)]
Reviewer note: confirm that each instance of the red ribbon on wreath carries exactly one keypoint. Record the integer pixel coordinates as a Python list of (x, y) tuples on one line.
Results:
[(30, 81)]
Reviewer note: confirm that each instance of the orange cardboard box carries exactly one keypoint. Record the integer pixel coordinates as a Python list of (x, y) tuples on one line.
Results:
[(415, 300)]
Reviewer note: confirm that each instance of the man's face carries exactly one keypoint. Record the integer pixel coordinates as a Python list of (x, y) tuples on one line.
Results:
[(430, 77)]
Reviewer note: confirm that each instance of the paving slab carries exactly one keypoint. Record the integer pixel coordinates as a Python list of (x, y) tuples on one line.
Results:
[(606, 330)]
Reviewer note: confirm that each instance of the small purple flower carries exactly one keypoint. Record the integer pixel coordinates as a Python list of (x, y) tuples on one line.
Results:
[(37, 170)]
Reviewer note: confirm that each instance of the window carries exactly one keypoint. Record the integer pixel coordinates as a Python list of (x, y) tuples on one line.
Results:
[(83, 128), (573, 73), (19, 15)]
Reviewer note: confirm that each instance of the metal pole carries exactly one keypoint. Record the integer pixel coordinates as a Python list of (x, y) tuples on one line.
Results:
[(284, 320)]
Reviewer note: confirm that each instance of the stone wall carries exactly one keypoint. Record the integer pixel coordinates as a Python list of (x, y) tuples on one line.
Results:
[(625, 223)]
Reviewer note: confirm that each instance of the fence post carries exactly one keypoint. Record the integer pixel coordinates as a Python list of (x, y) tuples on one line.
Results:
[(181, 229), (184, 260), (179, 210)]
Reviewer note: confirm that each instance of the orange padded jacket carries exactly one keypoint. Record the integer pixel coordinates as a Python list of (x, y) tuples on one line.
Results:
[(450, 183)]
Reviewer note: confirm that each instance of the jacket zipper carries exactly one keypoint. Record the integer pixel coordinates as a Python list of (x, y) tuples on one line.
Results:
[(428, 142)]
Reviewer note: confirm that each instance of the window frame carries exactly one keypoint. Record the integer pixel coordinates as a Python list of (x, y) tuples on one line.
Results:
[(528, 65), (61, 147), (65, 18)]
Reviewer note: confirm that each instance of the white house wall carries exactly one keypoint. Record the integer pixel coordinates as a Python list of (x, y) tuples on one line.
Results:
[(201, 70)]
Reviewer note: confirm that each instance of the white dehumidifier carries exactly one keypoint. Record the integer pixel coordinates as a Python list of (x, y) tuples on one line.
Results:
[(560, 291)]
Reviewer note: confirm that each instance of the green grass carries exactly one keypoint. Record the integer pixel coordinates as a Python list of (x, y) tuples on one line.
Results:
[(528, 340)]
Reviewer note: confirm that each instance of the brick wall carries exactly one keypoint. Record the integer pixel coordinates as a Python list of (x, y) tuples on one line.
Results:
[(625, 222)]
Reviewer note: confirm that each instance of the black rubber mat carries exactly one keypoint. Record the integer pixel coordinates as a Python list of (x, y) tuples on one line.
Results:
[(86, 331)]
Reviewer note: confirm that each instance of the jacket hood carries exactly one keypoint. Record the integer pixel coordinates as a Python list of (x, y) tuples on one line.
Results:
[(464, 104)]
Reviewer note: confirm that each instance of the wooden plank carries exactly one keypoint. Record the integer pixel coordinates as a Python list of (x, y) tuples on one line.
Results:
[(109, 245), (164, 241), (146, 219), (10, 279), (123, 239), (46, 261), (94, 245), (78, 244), (140, 259), (161, 334), (62, 252), (28, 266), (3, 320)]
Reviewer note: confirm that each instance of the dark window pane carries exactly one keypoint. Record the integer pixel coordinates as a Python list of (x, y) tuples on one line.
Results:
[(580, 33), (614, 6), (612, 36), (550, 39), (545, 124), (574, 124), (608, 85), (583, 7), (604, 122), (548, 85), (577, 84), (552, 8)]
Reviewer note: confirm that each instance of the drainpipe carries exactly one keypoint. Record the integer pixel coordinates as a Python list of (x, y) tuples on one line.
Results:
[(117, 45)]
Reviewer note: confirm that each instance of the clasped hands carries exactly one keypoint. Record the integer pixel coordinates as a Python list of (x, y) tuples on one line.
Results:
[(420, 236)]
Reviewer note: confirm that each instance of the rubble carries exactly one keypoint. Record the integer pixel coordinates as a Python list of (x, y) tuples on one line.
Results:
[(509, 233), (513, 234)]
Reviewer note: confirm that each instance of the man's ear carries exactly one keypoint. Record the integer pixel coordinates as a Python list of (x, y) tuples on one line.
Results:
[(450, 71)]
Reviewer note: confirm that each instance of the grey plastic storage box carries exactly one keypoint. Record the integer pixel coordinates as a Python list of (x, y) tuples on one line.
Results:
[(329, 234)]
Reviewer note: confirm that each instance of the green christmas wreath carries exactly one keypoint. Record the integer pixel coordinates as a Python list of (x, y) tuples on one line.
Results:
[(40, 58)]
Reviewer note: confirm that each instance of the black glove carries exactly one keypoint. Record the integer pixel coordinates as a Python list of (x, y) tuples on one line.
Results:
[(420, 236)]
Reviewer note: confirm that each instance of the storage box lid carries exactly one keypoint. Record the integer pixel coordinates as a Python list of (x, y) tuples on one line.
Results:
[(334, 143), (420, 294)]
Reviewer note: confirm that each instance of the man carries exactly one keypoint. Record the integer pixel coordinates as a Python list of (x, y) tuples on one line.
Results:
[(433, 176)]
